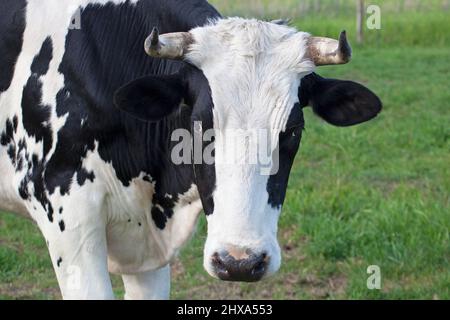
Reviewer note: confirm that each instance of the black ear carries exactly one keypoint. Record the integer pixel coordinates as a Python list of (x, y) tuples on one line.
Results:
[(341, 103), (151, 98)]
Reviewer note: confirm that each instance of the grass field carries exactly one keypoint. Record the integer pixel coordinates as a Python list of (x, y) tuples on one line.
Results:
[(376, 194)]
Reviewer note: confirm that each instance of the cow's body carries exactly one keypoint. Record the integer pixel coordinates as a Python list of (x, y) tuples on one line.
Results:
[(101, 184), (65, 159)]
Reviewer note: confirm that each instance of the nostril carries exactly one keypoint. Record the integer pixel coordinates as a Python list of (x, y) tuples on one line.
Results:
[(218, 263), (259, 268), (264, 256), (260, 265)]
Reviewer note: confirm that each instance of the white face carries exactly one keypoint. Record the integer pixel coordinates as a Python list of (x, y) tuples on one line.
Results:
[(254, 70)]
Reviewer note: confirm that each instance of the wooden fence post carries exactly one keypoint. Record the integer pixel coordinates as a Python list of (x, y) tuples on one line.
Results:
[(360, 21)]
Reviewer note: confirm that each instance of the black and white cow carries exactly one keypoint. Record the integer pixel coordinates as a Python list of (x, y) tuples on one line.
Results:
[(78, 159)]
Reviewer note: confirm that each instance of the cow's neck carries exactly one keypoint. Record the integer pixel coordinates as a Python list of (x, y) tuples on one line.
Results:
[(106, 73)]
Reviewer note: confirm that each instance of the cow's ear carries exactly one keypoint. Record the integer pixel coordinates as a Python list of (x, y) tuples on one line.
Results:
[(341, 103), (151, 98)]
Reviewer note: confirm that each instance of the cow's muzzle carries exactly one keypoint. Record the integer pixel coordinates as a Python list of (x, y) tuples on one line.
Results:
[(240, 265)]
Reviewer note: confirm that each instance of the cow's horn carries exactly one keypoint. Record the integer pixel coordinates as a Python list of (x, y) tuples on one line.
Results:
[(169, 45), (326, 51)]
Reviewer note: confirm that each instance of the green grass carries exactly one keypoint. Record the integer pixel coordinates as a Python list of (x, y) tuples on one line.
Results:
[(271, 8), (409, 29), (375, 194)]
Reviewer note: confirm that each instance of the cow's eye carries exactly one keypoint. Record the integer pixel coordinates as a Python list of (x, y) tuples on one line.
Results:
[(294, 130), (290, 140), (292, 134)]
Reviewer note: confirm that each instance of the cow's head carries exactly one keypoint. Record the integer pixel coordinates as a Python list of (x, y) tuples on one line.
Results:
[(247, 75)]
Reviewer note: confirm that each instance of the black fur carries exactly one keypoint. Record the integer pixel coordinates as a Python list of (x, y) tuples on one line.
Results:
[(151, 98), (289, 143), (341, 103), (41, 62), (12, 27), (62, 225)]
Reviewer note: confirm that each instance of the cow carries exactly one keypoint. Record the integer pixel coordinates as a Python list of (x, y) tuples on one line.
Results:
[(91, 92)]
